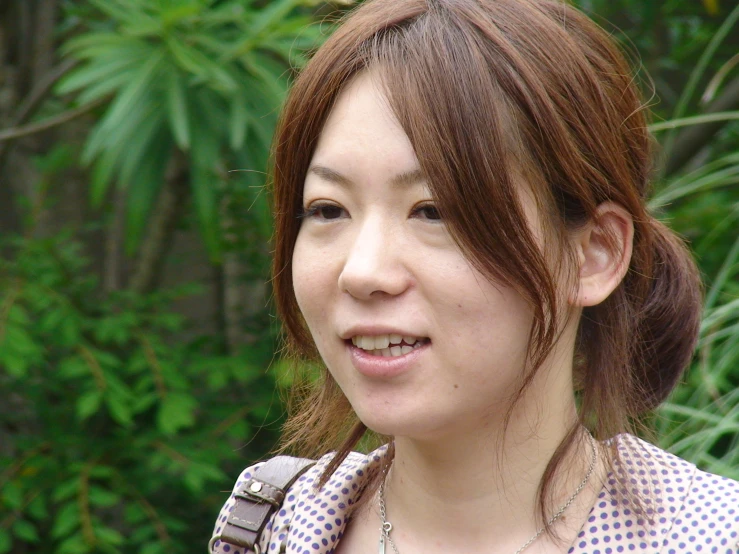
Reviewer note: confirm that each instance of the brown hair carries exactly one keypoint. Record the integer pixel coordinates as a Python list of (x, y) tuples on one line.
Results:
[(484, 88)]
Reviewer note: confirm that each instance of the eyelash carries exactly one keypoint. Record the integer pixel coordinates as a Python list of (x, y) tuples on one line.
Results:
[(316, 209), (426, 206)]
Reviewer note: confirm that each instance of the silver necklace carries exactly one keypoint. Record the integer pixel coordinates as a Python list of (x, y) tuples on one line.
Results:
[(387, 527)]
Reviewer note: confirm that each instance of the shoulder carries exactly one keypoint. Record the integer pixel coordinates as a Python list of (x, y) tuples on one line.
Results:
[(677, 482), (310, 516), (690, 510)]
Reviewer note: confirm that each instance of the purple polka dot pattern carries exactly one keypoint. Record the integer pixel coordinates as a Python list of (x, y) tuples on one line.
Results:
[(683, 510)]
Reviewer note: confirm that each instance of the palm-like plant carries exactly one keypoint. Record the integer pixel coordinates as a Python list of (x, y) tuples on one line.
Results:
[(200, 78)]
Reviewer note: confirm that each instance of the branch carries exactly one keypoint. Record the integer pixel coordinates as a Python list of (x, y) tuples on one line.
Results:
[(173, 454), (692, 140), (156, 368), (8, 474), (235, 417), (34, 100), (83, 501), (150, 510), (48, 123), (114, 237), (7, 305), (161, 529), (95, 369), (39, 93)]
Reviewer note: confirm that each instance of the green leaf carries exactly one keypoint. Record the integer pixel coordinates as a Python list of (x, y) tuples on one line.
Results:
[(118, 409), (102, 472), (150, 146), (67, 520), (125, 13), (91, 45), (143, 402), (73, 545), (109, 536), (195, 62), (177, 110), (694, 120), (66, 489), (134, 514), (103, 498), (99, 71), (153, 548), (12, 495), (176, 412), (239, 122), (204, 195), (19, 315), (143, 192), (106, 87), (274, 14), (130, 98), (37, 508), (16, 366), (102, 173), (88, 404), (25, 530), (73, 367), (204, 183), (6, 542), (69, 331), (261, 67), (181, 11)]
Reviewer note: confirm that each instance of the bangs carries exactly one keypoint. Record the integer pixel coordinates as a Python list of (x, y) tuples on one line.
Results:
[(439, 76)]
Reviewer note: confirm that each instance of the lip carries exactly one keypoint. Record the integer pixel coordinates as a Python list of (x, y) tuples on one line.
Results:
[(375, 330), (381, 367)]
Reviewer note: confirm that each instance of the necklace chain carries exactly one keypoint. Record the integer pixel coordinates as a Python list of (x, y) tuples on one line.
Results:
[(387, 527)]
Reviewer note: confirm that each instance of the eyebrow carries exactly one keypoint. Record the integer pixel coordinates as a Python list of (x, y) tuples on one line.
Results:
[(401, 180)]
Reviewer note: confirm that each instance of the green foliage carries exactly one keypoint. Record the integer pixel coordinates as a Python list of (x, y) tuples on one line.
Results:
[(204, 77), (119, 424), (122, 429)]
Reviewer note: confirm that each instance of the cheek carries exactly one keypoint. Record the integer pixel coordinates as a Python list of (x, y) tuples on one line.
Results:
[(490, 323), (304, 278), (312, 283)]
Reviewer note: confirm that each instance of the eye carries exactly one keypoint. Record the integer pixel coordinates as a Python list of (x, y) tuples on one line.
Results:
[(426, 211), (323, 211)]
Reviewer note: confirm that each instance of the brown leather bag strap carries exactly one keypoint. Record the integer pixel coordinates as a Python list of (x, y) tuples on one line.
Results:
[(257, 499)]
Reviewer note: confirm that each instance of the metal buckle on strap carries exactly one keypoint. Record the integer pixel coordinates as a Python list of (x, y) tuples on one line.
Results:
[(211, 545), (254, 489)]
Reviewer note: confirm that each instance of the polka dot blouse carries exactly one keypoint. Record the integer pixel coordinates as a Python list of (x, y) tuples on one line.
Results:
[(691, 511)]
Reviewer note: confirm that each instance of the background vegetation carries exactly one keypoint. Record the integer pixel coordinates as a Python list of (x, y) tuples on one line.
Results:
[(135, 337)]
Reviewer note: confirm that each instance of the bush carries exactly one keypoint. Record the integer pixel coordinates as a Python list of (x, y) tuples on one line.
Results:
[(117, 432)]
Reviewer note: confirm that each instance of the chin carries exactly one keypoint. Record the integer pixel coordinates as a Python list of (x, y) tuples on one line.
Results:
[(395, 425)]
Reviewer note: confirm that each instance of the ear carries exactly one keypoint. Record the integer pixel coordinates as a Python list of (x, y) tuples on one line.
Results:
[(603, 251)]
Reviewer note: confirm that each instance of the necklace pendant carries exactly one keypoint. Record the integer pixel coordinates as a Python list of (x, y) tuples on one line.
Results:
[(381, 549)]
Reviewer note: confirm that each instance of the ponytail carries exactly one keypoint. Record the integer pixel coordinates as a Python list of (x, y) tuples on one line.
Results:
[(634, 347)]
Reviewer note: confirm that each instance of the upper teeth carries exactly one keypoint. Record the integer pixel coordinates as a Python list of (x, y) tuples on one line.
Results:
[(379, 342)]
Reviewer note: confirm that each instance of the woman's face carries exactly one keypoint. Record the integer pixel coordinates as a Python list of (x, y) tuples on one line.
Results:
[(421, 343)]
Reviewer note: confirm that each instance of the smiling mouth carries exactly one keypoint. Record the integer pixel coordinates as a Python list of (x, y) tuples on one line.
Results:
[(388, 346)]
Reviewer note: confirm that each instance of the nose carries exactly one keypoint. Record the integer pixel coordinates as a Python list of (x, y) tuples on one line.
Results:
[(374, 266)]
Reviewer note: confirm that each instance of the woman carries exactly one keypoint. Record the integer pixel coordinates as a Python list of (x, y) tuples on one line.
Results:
[(462, 240)]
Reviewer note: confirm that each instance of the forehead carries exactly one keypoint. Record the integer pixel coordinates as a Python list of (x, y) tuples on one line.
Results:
[(362, 131)]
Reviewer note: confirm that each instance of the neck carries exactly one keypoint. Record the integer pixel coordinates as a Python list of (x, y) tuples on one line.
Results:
[(481, 487)]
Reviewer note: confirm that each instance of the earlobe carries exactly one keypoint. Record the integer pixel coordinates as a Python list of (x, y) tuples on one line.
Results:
[(603, 253)]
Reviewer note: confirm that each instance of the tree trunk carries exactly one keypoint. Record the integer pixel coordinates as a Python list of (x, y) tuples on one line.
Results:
[(113, 255), (158, 241)]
